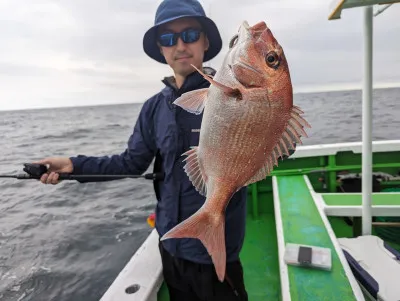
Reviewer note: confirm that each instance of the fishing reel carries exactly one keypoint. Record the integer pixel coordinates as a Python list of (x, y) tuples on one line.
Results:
[(35, 170)]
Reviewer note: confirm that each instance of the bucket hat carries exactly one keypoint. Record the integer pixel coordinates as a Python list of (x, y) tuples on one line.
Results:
[(170, 10)]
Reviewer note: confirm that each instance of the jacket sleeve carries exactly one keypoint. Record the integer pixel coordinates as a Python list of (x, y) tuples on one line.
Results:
[(136, 158)]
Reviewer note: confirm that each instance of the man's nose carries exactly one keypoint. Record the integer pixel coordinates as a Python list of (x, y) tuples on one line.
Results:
[(180, 45)]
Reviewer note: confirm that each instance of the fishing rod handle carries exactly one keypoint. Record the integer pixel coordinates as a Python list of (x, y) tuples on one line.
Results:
[(148, 176), (35, 171)]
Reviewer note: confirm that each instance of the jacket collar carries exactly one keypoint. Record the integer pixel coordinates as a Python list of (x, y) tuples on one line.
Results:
[(192, 82)]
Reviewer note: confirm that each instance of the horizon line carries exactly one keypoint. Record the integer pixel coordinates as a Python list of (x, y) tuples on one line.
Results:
[(301, 90)]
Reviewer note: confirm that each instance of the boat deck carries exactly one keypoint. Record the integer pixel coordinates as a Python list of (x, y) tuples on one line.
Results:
[(260, 259), (299, 215), (301, 222)]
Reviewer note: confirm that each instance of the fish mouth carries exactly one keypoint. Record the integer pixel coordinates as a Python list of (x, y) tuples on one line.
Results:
[(246, 25), (255, 30)]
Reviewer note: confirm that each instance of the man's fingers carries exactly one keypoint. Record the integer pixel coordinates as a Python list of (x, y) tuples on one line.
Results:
[(54, 180), (43, 178), (50, 178)]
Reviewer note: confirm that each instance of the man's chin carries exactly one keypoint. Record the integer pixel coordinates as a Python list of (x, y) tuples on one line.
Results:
[(185, 70)]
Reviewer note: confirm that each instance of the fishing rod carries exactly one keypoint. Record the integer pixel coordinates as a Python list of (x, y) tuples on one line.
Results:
[(35, 171)]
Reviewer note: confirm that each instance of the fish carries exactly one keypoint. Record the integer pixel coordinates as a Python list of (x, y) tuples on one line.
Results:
[(249, 122)]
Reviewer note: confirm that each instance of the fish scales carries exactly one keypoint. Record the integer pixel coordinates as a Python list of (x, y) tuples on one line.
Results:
[(230, 139), (249, 122)]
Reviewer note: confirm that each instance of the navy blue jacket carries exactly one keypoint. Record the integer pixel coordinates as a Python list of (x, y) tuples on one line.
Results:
[(165, 131)]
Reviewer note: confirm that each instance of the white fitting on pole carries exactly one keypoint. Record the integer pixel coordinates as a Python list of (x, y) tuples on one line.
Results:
[(382, 9)]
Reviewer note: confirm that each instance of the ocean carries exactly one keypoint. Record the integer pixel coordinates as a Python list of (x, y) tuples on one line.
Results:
[(69, 241)]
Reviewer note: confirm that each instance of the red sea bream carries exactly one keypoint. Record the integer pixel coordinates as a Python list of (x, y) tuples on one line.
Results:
[(249, 121)]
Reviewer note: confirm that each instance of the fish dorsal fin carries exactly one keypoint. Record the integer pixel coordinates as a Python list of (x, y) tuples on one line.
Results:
[(193, 101), (292, 133), (194, 171), (260, 175), (296, 125)]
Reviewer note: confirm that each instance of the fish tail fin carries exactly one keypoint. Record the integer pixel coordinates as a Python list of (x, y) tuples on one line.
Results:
[(209, 228)]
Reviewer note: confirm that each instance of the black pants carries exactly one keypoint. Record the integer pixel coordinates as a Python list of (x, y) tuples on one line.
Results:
[(190, 281)]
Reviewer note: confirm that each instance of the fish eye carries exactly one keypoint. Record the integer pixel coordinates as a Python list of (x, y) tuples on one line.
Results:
[(272, 59), (233, 41)]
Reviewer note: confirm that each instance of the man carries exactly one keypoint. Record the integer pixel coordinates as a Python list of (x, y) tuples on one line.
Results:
[(182, 35)]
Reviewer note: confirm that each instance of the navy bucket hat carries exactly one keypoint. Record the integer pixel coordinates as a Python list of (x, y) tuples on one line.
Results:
[(170, 10)]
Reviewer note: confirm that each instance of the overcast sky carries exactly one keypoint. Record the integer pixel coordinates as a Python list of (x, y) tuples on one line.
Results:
[(83, 52)]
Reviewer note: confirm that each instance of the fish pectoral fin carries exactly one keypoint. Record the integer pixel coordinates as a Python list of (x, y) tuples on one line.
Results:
[(194, 171), (231, 92), (193, 101), (209, 228), (255, 94)]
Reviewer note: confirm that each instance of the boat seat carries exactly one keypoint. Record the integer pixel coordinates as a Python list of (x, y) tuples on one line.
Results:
[(300, 221), (375, 264), (350, 204)]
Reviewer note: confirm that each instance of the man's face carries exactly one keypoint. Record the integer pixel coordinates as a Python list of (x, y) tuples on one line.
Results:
[(181, 55)]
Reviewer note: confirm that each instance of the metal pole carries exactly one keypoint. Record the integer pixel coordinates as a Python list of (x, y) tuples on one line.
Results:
[(367, 123)]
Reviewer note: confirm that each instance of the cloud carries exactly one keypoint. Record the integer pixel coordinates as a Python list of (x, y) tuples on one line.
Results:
[(73, 52)]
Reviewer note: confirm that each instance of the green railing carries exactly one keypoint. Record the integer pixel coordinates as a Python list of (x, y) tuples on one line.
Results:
[(322, 172)]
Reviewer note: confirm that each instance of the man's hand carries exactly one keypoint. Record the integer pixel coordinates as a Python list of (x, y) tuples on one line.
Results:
[(55, 166)]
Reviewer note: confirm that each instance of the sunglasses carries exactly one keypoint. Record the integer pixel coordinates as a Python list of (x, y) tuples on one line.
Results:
[(187, 36)]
